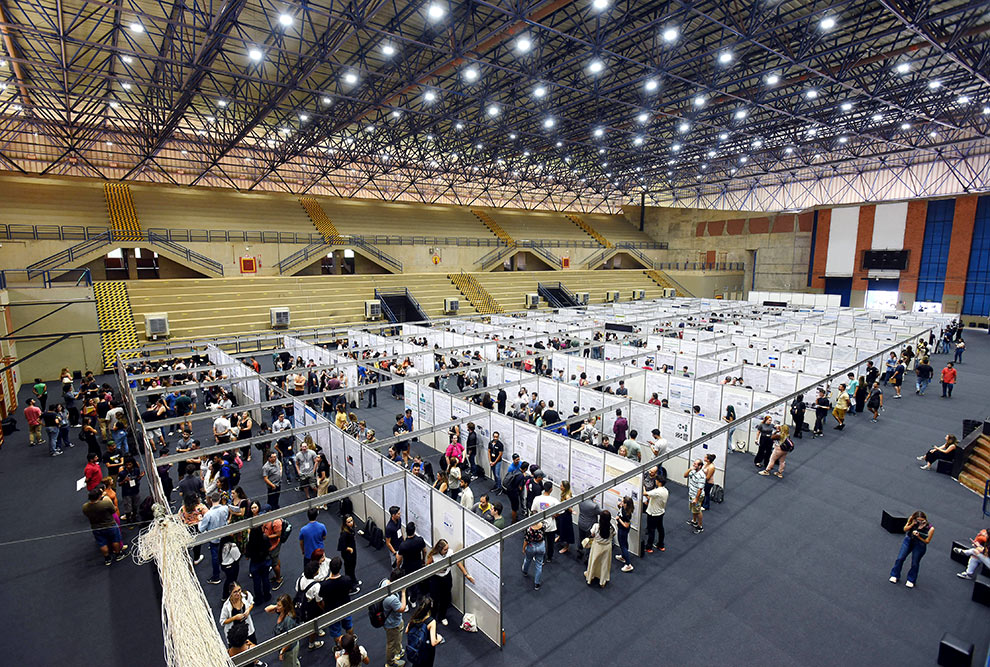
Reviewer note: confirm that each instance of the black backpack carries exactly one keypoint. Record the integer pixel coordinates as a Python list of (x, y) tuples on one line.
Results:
[(302, 605), (374, 535), (717, 493), (286, 531), (346, 507), (377, 614)]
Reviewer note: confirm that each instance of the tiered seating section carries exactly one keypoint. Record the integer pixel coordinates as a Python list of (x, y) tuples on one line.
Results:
[(123, 217), (494, 226), (472, 290), (358, 217), (49, 201), (323, 224), (615, 228), (589, 230), (537, 225), (200, 308), (662, 280), (207, 208), (976, 470), (510, 288)]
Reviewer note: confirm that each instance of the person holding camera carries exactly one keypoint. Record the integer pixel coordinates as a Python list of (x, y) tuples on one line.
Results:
[(918, 533)]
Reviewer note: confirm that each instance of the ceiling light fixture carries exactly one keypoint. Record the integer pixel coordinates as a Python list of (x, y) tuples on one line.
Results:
[(671, 34), (549, 122), (137, 27), (471, 74), (539, 92), (285, 20), (255, 55), (388, 50), (523, 44), (903, 68), (596, 66), (350, 78), (827, 23), (651, 85), (492, 110), (772, 79), (598, 132), (811, 93), (725, 57), (699, 101), (435, 11)]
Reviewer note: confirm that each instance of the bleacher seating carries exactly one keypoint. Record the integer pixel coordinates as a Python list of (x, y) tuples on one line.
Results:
[(359, 217), (208, 208), (616, 228), (52, 201), (976, 470), (510, 288), (534, 225), (120, 209), (200, 308)]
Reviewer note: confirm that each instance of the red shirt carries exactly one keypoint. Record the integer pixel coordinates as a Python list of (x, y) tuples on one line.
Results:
[(33, 415), (94, 475), (949, 375)]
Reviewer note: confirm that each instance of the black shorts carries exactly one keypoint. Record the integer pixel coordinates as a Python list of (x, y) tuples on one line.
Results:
[(513, 501)]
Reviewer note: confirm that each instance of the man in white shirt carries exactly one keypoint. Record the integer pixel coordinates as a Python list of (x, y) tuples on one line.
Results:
[(467, 495), (306, 467), (221, 429), (696, 489), (657, 443), (655, 501), (543, 502), (281, 423)]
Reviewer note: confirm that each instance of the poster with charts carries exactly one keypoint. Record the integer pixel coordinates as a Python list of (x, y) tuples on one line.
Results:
[(483, 567), (526, 442), (643, 417), (568, 395), (495, 374), (461, 409), (425, 406), (656, 383), (555, 456), (395, 492), (681, 393), (587, 467), (352, 454), (708, 396), (448, 521), (442, 410), (675, 427), (372, 469), (418, 507), (337, 451), (323, 442), (615, 466), (410, 395), (504, 426), (701, 426)]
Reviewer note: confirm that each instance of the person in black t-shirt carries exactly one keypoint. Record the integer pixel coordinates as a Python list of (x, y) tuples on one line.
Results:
[(393, 532), (412, 554), (336, 592), (822, 404)]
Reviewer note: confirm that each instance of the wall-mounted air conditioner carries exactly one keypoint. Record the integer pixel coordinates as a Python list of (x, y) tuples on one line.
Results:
[(638, 294), (155, 325), (669, 292), (373, 309), (451, 306), (611, 296), (532, 300), (279, 317), (583, 298)]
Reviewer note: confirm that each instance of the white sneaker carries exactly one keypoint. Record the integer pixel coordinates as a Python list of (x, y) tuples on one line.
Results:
[(893, 580), (444, 621), (198, 560), (627, 568), (909, 584)]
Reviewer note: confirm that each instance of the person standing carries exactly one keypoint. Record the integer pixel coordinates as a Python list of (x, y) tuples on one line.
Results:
[(842, 405), (543, 502), (216, 516), (822, 404), (311, 535), (285, 614), (960, 348), (441, 585), (623, 520), (600, 555), (565, 520), (99, 509), (335, 592), (798, 408), (874, 401), (534, 550), (40, 390), (917, 534), (862, 391), (709, 469), (496, 452), (948, 379), (655, 501), (190, 514), (32, 413), (394, 606), (51, 422), (897, 377), (851, 387), (306, 468), (925, 373), (696, 487), (92, 473), (421, 636), (765, 429), (347, 546), (619, 429), (271, 473), (393, 532), (129, 483), (236, 610), (784, 446), (259, 560), (588, 511), (411, 556)]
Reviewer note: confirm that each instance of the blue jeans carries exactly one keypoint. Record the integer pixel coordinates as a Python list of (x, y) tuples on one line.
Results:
[(623, 535), (52, 433), (852, 404), (63, 436), (215, 561), (958, 357), (917, 549), (259, 576), (497, 474), (535, 553), (922, 384)]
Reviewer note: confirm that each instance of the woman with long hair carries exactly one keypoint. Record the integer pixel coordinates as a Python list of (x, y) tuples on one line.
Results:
[(351, 654), (442, 585), (782, 447), (729, 417), (421, 635), (347, 546), (237, 610), (285, 613), (944, 452), (623, 520), (917, 534), (600, 557), (259, 562), (860, 394), (565, 520)]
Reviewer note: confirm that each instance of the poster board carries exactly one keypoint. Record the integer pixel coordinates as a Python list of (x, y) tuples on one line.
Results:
[(419, 506), (587, 467), (555, 457)]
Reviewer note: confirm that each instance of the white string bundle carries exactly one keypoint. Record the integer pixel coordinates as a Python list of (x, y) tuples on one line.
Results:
[(190, 635)]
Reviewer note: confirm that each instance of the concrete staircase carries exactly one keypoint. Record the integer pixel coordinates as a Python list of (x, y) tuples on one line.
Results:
[(663, 280), (589, 230), (472, 290), (976, 470), (320, 219), (495, 228)]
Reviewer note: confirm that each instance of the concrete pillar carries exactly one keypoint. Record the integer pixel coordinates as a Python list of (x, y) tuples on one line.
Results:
[(131, 262), (963, 224)]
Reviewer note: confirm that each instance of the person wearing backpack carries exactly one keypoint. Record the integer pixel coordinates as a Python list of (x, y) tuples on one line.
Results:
[(393, 607), (514, 486), (782, 448), (307, 601), (421, 636)]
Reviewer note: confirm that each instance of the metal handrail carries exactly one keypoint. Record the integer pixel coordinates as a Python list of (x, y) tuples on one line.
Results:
[(191, 256), (48, 279), (386, 308), (69, 254), (404, 292), (495, 256), (302, 255), (544, 290), (648, 262), (373, 250)]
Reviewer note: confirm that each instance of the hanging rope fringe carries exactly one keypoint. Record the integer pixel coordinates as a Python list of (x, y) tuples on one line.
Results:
[(190, 635)]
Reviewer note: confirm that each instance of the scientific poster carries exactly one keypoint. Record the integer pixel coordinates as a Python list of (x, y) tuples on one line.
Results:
[(504, 426), (708, 396), (395, 492), (484, 568), (681, 393), (590, 399), (442, 409), (568, 395), (337, 451), (461, 409), (372, 469), (352, 454), (781, 383), (526, 442), (555, 456), (418, 507), (587, 467), (643, 418), (425, 407), (656, 383), (410, 391), (717, 445), (675, 427)]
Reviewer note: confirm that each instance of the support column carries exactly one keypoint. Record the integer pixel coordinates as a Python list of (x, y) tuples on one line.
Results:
[(963, 223), (914, 240), (130, 261), (864, 241), (821, 249)]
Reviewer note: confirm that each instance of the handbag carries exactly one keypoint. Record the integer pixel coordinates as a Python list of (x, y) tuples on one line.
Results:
[(586, 543)]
